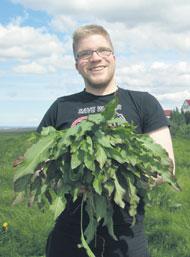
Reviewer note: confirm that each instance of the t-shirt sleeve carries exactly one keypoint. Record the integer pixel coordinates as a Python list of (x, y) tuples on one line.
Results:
[(49, 118), (153, 114)]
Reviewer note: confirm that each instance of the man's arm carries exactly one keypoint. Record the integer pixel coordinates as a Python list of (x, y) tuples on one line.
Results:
[(162, 136)]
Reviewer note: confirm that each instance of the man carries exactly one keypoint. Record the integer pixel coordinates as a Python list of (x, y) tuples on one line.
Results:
[(95, 61)]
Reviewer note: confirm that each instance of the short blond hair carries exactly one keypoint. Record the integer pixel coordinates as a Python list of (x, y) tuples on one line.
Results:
[(88, 30)]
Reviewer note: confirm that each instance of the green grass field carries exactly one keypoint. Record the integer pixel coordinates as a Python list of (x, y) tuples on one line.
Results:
[(167, 220)]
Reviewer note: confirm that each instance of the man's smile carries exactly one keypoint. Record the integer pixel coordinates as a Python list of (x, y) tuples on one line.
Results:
[(97, 68)]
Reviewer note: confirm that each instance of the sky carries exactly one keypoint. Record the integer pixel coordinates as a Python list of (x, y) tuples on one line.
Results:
[(151, 40)]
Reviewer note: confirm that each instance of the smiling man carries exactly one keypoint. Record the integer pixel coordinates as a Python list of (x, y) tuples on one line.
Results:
[(95, 61)]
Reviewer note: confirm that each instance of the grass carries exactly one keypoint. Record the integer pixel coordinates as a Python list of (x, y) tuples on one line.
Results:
[(167, 220), (28, 227)]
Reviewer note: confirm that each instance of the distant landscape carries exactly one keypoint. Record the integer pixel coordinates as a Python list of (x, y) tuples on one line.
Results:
[(16, 129)]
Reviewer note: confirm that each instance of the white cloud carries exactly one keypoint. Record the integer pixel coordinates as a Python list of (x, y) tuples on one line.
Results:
[(183, 68), (55, 62), (14, 52), (46, 65), (135, 24), (159, 66), (126, 38), (177, 18), (63, 23), (177, 96), (173, 99), (171, 14), (147, 37), (165, 80), (31, 48), (30, 68)]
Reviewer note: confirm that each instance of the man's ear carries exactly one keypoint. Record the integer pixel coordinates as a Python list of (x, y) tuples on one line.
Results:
[(76, 66)]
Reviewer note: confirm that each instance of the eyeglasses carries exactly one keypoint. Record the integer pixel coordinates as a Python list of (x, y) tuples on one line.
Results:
[(86, 54)]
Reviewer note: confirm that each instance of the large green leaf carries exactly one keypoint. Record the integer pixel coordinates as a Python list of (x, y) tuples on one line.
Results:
[(110, 108), (89, 145), (100, 204), (100, 155), (156, 149), (115, 153), (96, 118), (84, 127), (76, 159), (38, 153), (97, 183), (109, 186), (89, 162), (90, 209), (102, 139), (58, 206), (119, 194), (108, 221), (48, 130), (22, 182), (116, 139), (134, 199)]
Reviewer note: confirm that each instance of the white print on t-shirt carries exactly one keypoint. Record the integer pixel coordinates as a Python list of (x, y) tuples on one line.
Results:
[(95, 109)]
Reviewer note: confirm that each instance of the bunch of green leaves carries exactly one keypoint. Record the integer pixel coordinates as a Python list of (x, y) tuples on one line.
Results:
[(105, 156)]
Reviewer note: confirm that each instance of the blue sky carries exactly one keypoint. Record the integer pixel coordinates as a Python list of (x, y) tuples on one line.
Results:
[(151, 40)]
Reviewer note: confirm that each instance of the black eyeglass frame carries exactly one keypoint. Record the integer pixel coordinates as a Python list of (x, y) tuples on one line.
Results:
[(87, 54)]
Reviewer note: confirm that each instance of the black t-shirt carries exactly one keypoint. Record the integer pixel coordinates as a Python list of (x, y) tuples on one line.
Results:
[(141, 108)]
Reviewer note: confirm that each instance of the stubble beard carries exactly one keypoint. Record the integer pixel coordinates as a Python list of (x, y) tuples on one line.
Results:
[(98, 85)]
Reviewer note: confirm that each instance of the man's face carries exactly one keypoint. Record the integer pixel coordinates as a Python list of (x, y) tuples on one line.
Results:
[(98, 69)]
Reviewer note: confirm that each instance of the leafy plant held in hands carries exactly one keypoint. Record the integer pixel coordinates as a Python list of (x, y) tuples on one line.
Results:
[(102, 154)]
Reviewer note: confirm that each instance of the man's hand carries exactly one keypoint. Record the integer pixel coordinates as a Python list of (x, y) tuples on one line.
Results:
[(159, 180), (18, 161)]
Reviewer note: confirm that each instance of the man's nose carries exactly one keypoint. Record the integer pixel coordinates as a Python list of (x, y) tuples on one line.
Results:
[(95, 56)]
